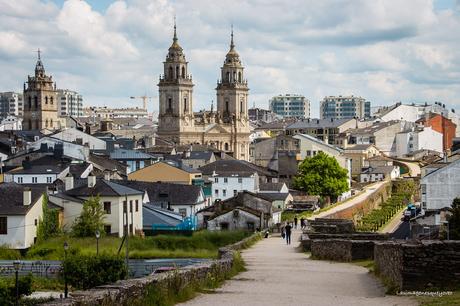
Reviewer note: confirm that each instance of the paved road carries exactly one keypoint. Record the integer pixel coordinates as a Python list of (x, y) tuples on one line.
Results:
[(279, 275), (395, 222), (367, 192)]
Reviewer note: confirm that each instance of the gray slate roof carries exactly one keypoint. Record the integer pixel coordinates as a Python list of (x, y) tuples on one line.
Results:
[(124, 154), (228, 167), (102, 188), (154, 215), (12, 202), (317, 123)]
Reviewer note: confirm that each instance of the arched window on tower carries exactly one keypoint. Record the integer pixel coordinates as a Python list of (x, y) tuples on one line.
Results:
[(177, 72), (226, 146), (183, 72), (234, 76), (51, 123), (170, 75), (169, 104), (185, 105), (51, 100), (239, 76), (46, 100), (30, 104), (241, 107), (36, 101), (228, 76), (30, 123), (46, 123), (226, 106)]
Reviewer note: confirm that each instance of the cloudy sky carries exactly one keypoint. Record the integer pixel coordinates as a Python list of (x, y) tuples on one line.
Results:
[(383, 50)]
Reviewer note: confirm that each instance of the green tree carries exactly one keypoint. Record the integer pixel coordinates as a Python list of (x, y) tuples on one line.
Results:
[(48, 226), (90, 219), (322, 175), (454, 220)]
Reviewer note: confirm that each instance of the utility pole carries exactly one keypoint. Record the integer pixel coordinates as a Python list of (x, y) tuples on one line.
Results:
[(127, 233)]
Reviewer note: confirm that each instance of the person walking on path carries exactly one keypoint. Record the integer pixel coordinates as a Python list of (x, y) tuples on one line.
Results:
[(302, 223), (295, 222), (287, 230)]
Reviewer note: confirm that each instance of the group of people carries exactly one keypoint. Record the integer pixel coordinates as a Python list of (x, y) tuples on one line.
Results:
[(286, 231)]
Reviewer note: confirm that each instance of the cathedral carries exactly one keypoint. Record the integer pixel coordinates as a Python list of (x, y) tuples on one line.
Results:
[(40, 101), (227, 127)]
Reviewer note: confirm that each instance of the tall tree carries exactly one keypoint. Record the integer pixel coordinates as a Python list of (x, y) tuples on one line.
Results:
[(90, 219), (322, 175), (48, 226), (454, 220)]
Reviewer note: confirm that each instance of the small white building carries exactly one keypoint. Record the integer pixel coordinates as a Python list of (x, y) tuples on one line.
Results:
[(227, 185), (114, 198), (240, 218), (37, 174), (420, 138), (440, 187), (81, 138), (375, 174), (20, 211), (11, 123)]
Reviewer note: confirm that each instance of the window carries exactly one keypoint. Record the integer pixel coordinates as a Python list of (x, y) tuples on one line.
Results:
[(20, 180), (49, 179), (423, 187), (130, 206), (183, 212), (240, 180), (216, 180), (46, 100), (34, 180), (216, 192), (225, 180), (170, 104), (108, 207), (137, 205), (36, 222), (224, 226), (224, 192), (51, 100), (235, 192), (3, 225), (125, 206), (308, 153), (251, 226), (107, 229)]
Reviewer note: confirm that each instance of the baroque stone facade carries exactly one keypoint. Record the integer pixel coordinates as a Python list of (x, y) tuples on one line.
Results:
[(40, 101), (227, 127)]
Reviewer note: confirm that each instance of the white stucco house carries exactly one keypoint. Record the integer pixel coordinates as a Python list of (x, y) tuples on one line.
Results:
[(20, 211), (81, 138), (375, 174), (420, 138), (114, 198), (440, 187), (36, 174)]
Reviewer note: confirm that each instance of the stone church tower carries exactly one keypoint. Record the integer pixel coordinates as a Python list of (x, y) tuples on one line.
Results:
[(40, 101), (226, 128), (175, 95)]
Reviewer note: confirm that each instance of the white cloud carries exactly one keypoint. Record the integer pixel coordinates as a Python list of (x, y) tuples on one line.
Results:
[(384, 50)]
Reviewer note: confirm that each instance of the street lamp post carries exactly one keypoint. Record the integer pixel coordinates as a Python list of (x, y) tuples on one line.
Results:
[(17, 265), (98, 235), (66, 289)]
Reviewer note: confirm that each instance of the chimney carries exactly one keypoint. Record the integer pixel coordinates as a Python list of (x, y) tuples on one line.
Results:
[(68, 181), (107, 175), (91, 180), (27, 196)]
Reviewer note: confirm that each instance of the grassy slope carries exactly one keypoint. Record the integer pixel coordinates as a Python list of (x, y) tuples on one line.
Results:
[(202, 244)]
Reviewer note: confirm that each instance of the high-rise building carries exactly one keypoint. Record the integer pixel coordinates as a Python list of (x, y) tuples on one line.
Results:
[(344, 107), (295, 106), (70, 103), (40, 101), (227, 127), (11, 104)]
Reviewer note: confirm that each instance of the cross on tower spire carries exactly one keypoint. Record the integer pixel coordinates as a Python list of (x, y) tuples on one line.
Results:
[(38, 52), (175, 34)]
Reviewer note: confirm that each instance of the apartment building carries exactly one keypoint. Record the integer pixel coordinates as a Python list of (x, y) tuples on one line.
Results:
[(344, 107), (289, 105)]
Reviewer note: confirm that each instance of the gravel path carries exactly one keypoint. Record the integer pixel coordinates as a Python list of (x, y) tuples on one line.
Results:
[(278, 275)]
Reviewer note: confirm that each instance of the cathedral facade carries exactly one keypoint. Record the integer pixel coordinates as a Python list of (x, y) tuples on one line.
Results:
[(227, 127), (40, 101)]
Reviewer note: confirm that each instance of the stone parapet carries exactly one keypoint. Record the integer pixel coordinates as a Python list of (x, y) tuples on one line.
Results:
[(342, 249)]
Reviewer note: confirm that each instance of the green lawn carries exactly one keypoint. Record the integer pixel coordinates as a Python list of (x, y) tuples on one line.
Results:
[(202, 244)]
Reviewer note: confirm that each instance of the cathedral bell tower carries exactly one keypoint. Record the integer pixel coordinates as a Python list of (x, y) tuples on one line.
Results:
[(40, 100), (175, 94), (232, 102)]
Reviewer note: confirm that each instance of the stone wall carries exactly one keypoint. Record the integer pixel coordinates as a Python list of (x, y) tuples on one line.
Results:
[(306, 238), (125, 291), (419, 266), (322, 225), (342, 249)]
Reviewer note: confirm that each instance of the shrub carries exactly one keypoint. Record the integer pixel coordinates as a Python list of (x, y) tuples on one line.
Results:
[(9, 254), (90, 220), (8, 289), (84, 272)]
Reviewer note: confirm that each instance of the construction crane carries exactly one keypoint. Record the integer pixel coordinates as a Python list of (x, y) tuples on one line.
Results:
[(144, 100)]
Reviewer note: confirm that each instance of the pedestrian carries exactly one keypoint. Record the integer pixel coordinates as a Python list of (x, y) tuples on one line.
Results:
[(302, 223), (283, 233), (287, 230), (295, 222)]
